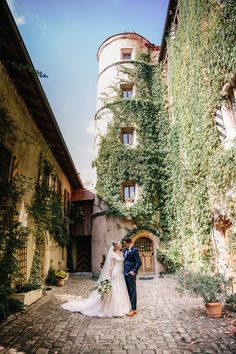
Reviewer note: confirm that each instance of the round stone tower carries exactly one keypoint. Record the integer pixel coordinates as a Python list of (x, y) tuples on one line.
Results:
[(123, 186), (114, 53)]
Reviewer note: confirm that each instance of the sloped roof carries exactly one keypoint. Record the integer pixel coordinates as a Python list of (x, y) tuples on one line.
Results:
[(82, 195)]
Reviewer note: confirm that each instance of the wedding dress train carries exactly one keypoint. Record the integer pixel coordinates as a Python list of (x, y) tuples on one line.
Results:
[(114, 304)]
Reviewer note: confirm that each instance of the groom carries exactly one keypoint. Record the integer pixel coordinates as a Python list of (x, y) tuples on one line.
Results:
[(132, 263)]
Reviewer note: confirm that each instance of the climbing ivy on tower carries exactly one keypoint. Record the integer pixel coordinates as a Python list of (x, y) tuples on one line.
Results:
[(143, 163)]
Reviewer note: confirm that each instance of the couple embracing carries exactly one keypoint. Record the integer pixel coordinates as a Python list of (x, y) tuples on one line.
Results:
[(121, 267)]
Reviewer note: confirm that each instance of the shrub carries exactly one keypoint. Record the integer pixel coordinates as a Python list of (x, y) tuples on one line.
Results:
[(212, 288)]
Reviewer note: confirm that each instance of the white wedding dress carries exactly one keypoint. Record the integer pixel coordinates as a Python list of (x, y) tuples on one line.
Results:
[(114, 304)]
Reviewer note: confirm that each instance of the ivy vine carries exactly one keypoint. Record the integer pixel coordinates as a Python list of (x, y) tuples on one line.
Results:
[(179, 162), (202, 56), (117, 163)]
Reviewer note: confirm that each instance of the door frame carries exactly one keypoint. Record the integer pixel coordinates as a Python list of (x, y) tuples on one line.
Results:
[(158, 267), (152, 255)]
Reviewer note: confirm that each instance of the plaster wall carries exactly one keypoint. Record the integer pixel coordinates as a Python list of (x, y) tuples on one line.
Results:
[(110, 73), (27, 151), (109, 228), (106, 229)]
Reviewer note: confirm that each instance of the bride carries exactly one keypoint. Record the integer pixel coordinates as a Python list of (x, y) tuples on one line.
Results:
[(114, 304)]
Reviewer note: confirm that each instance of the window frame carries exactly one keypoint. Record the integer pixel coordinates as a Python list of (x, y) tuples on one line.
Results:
[(126, 54), (127, 131), (126, 88), (129, 185)]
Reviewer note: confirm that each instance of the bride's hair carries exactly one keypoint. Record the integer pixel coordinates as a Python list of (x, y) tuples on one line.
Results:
[(115, 244)]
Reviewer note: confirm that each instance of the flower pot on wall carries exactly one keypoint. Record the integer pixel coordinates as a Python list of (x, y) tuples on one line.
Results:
[(213, 309), (60, 282)]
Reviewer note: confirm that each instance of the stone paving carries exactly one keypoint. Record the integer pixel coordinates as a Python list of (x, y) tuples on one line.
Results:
[(165, 324)]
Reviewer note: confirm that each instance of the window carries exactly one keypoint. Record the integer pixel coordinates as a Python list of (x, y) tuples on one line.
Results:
[(225, 117), (127, 90), (126, 54), (219, 121), (129, 192), (6, 163), (127, 136), (58, 187), (127, 93)]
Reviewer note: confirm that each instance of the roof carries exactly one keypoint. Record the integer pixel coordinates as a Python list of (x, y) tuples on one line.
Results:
[(13, 54), (82, 195), (169, 14), (131, 35)]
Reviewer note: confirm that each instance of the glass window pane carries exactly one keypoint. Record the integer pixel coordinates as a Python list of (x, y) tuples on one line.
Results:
[(126, 192), (132, 192), (127, 56), (131, 138), (129, 93), (125, 138)]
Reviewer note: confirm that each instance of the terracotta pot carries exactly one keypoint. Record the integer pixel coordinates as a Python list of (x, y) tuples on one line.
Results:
[(233, 328), (213, 309), (60, 282)]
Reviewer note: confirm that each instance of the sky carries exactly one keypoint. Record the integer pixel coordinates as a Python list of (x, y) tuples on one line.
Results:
[(62, 38)]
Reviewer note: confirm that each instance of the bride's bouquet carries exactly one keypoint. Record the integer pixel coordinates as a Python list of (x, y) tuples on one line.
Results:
[(104, 287)]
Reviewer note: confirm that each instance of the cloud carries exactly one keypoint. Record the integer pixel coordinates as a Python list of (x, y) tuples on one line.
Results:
[(91, 128), (44, 29), (20, 19)]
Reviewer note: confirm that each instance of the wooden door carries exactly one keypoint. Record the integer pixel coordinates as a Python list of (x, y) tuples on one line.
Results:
[(83, 254), (145, 248)]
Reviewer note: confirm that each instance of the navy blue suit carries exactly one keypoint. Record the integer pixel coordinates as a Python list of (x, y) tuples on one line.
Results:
[(132, 263)]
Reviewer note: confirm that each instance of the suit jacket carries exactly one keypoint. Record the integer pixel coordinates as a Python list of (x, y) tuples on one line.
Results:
[(132, 261)]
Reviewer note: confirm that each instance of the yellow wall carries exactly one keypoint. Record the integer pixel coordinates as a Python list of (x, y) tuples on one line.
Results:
[(28, 153)]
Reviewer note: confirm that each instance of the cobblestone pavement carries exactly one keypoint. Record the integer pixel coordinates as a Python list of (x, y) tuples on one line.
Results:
[(166, 323)]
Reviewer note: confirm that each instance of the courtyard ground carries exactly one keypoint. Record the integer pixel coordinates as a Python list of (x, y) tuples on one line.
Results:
[(166, 323)]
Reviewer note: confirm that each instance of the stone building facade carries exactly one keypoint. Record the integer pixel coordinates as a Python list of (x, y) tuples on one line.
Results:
[(35, 137), (200, 100), (115, 53)]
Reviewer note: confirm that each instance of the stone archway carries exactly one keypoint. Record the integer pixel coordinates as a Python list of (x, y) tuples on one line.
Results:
[(147, 244)]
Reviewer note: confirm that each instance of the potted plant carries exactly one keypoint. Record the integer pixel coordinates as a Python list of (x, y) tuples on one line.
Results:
[(233, 327), (61, 275), (27, 293), (212, 288), (51, 276)]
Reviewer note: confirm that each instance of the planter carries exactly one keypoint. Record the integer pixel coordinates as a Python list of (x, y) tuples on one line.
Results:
[(60, 282), (213, 309), (28, 298), (233, 328)]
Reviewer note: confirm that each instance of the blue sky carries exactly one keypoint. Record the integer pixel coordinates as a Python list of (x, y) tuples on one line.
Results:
[(62, 38)]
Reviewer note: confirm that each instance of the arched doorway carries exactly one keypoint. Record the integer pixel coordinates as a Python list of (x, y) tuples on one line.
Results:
[(146, 250)]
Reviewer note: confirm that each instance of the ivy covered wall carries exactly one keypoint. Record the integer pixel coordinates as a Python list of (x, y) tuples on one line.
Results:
[(201, 59), (187, 176), (118, 163)]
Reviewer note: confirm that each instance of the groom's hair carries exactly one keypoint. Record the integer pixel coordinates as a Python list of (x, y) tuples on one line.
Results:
[(128, 240)]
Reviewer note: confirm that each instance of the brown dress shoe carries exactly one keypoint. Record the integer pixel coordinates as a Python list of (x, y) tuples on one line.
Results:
[(131, 313)]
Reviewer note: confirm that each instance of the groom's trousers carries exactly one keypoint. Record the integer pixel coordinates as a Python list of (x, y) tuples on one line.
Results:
[(131, 286)]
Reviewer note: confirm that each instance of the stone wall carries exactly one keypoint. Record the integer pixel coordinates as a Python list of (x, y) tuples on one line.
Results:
[(109, 228)]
